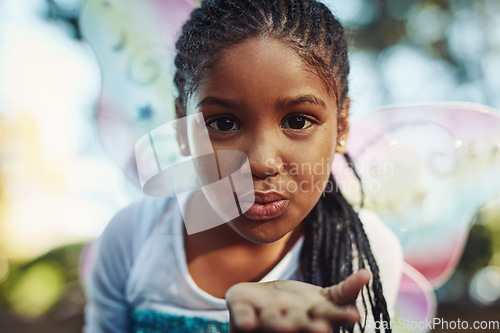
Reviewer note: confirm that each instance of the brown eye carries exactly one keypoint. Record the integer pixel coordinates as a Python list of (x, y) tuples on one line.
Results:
[(223, 124), (297, 122)]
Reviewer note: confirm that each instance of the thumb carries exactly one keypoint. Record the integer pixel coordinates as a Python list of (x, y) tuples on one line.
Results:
[(347, 291)]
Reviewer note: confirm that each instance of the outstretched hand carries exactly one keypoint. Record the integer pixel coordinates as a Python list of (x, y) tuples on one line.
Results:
[(293, 306)]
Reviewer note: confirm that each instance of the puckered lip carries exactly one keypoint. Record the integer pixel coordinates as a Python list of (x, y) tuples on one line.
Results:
[(267, 205), (269, 196)]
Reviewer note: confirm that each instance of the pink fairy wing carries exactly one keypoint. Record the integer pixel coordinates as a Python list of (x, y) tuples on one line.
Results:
[(134, 45), (426, 170), (415, 304)]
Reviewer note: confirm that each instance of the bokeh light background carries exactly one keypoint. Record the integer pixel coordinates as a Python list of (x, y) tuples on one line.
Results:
[(59, 186)]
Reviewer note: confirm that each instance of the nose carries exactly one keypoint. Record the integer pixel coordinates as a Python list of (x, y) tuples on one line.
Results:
[(264, 156)]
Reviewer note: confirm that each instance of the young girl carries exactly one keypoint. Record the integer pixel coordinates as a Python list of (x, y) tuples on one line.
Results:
[(270, 79)]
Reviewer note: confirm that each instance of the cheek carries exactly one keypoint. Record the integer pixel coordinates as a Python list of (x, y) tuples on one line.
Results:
[(312, 160), (309, 180)]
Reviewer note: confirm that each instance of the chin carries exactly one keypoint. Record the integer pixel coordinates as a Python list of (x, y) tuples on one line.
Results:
[(260, 232)]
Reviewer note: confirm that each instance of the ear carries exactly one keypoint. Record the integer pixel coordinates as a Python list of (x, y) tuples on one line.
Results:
[(343, 126), (181, 131)]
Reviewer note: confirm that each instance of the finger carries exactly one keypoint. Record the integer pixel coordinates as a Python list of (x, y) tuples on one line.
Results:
[(335, 314), (243, 316), (347, 291), (318, 325), (272, 319), (300, 321), (297, 318)]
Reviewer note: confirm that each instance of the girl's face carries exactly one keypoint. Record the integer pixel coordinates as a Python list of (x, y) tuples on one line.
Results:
[(262, 99)]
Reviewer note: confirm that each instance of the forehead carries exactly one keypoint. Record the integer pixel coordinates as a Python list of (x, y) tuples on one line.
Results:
[(262, 68)]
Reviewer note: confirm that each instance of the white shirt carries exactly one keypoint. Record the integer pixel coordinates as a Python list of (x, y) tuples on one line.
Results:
[(140, 264)]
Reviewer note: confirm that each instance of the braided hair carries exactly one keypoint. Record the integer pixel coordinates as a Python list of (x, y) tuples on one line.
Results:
[(334, 235)]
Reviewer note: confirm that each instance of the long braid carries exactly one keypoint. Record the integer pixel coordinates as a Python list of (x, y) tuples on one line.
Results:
[(334, 236), (349, 235)]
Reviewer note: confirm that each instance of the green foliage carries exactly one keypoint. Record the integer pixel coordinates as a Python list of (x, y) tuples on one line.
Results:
[(33, 288)]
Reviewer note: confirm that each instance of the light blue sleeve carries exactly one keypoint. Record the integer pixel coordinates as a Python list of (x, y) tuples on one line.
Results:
[(107, 309)]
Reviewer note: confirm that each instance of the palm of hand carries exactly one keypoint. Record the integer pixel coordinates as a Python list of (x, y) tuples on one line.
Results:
[(293, 306)]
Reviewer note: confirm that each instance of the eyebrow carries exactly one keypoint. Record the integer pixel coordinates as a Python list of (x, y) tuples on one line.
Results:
[(280, 104), (211, 100), (308, 98)]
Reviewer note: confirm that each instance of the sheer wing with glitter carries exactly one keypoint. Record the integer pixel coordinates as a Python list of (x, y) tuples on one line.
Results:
[(134, 45), (425, 170)]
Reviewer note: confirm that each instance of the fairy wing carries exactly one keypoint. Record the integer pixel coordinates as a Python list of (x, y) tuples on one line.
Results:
[(133, 42), (415, 304), (426, 170), (134, 45)]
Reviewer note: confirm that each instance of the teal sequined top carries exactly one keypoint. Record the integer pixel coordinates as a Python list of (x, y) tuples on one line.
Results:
[(147, 321)]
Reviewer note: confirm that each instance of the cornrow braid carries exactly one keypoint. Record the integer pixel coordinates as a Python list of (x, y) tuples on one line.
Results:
[(307, 26), (334, 235)]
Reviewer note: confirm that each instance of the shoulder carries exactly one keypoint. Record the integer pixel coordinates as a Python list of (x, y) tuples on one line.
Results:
[(132, 224), (387, 251), (107, 307), (123, 237), (136, 215)]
